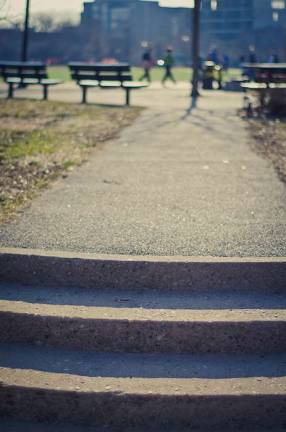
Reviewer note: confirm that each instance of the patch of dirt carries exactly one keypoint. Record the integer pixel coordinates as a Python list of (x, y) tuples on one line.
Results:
[(269, 140), (40, 141)]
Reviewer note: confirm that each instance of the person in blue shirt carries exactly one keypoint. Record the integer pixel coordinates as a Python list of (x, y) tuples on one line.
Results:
[(147, 63)]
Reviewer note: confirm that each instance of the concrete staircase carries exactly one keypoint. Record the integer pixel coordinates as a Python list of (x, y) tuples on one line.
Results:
[(94, 343)]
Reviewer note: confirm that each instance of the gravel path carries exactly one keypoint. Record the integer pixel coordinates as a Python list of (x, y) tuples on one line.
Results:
[(175, 183)]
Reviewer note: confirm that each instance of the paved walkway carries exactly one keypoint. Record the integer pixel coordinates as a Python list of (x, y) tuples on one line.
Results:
[(175, 183)]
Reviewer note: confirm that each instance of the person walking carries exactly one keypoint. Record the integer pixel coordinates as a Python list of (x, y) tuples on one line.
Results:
[(168, 65), (147, 62)]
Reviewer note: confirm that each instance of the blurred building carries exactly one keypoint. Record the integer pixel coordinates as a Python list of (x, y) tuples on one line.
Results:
[(269, 13), (226, 19), (123, 27), (233, 25)]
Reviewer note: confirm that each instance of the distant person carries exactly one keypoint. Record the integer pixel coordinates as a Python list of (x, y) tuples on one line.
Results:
[(213, 56), (169, 62), (226, 63), (273, 58), (241, 60), (276, 58), (147, 63), (219, 74), (252, 56)]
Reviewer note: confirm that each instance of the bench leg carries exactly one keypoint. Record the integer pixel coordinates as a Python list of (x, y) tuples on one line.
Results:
[(10, 91), (84, 95), (127, 96), (45, 92), (262, 99)]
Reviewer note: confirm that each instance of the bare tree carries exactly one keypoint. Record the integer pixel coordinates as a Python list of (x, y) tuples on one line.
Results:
[(4, 4), (6, 17), (43, 22)]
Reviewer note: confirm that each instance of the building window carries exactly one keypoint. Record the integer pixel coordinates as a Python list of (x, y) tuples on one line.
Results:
[(278, 4), (213, 5), (275, 16)]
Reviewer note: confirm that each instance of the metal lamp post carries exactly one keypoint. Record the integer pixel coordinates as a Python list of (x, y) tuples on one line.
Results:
[(25, 40), (196, 48)]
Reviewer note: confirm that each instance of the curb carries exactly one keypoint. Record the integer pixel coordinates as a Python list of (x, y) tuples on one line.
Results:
[(65, 269), (113, 334), (46, 397)]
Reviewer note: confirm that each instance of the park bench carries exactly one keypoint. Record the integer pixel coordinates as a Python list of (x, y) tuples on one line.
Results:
[(268, 82), (104, 76), (23, 74)]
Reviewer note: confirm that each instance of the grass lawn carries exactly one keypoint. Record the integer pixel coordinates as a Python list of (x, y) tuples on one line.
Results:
[(181, 73), (40, 141)]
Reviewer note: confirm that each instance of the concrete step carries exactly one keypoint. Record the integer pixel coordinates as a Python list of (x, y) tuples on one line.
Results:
[(132, 365), (163, 392), (136, 323), (211, 299), (162, 343), (11, 426), (44, 268)]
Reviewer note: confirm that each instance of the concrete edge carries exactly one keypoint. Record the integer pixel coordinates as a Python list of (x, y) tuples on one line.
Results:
[(43, 380), (139, 258), (52, 398), (126, 334), (84, 270)]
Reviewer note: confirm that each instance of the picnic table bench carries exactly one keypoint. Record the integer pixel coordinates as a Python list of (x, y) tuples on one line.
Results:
[(268, 80), (266, 72), (104, 76), (16, 74)]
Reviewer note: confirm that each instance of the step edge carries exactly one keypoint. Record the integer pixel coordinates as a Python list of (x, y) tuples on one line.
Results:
[(197, 387), (140, 258), (87, 313)]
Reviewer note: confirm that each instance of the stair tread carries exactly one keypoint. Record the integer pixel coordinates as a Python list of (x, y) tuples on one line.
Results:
[(143, 314), (32, 379), (83, 353), (126, 365), (151, 299), (11, 426)]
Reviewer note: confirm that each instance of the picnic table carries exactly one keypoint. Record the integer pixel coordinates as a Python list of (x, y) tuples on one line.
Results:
[(268, 81), (104, 76), (24, 74), (268, 73)]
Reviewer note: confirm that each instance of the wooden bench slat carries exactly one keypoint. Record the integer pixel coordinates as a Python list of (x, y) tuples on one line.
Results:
[(88, 83), (50, 82), (277, 86), (254, 86), (110, 84), (98, 77), (24, 76), (135, 84), (120, 78), (28, 81), (121, 67)]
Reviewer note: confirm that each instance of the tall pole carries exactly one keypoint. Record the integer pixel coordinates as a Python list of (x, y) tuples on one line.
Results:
[(25, 41), (196, 48)]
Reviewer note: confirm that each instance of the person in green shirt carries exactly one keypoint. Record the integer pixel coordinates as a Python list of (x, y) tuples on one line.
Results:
[(168, 64)]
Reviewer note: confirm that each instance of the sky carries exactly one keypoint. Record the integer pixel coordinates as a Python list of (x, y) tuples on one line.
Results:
[(16, 7)]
